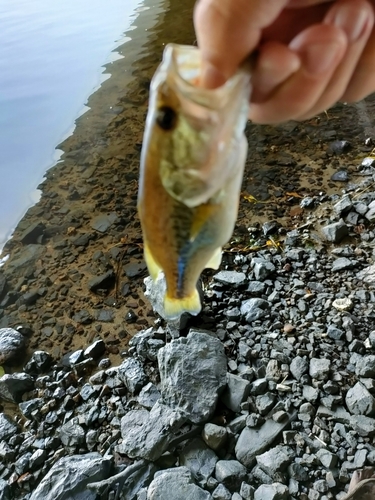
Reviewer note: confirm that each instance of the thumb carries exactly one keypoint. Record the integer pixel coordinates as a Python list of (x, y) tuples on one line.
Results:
[(228, 31)]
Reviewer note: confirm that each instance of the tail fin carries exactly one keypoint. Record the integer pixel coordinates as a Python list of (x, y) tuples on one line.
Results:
[(174, 308)]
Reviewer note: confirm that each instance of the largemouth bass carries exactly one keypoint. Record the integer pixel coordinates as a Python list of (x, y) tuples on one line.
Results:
[(192, 162)]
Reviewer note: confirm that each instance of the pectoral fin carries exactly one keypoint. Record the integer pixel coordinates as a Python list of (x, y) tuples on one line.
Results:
[(153, 268), (174, 308), (215, 260)]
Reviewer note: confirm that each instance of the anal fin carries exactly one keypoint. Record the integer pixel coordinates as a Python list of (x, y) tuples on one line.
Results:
[(215, 260), (175, 307), (153, 268)]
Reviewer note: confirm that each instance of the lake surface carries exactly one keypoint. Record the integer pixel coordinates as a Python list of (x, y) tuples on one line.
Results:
[(51, 58)]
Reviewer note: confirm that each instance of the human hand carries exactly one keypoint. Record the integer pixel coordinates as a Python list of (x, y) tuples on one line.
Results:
[(310, 53)]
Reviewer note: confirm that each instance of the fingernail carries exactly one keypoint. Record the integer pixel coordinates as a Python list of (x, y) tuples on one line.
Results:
[(350, 19), (320, 57), (211, 77)]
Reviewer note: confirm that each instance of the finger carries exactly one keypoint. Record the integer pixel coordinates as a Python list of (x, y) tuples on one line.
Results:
[(274, 64), (320, 49), (228, 31), (362, 82), (356, 19)]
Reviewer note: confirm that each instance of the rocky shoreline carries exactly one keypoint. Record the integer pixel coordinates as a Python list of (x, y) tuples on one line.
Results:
[(268, 394)]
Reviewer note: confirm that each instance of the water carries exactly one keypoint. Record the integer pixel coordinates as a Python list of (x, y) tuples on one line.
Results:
[(51, 58)]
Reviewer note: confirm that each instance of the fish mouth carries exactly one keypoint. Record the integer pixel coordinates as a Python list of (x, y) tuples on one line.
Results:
[(210, 126)]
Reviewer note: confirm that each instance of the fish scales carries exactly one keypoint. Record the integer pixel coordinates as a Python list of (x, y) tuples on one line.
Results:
[(192, 162)]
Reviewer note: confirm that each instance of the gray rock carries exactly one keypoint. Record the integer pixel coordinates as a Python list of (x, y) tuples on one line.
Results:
[(193, 374), (367, 274), (7, 427), (366, 367), (103, 282), (298, 367), (265, 402), (365, 426), (4, 490), (95, 350), (274, 491), (214, 436), (72, 434), (27, 407), (342, 263), (335, 333), (319, 368), (343, 206), (13, 386), (253, 442), (236, 391), (130, 482), (132, 374), (231, 278), (231, 473), (327, 459), (149, 395), (274, 460), (69, 477), (262, 268), (359, 401), (247, 491), (340, 176), (221, 493), (12, 343), (335, 232), (103, 222), (199, 459), (39, 362), (254, 309), (148, 434), (175, 484), (339, 147)]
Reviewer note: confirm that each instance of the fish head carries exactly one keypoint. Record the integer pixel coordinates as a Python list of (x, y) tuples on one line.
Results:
[(192, 133)]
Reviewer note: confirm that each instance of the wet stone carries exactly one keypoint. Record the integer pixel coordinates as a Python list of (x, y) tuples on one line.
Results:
[(27, 407), (5, 493), (12, 343), (103, 282)]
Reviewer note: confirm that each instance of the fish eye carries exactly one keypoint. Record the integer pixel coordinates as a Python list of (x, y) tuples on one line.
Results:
[(166, 118)]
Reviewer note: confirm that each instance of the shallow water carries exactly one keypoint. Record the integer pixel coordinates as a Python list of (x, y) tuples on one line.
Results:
[(51, 58)]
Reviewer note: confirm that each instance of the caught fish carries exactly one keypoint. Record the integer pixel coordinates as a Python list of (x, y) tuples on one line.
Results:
[(192, 163)]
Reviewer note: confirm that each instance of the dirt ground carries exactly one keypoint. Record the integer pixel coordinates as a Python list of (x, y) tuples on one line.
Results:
[(76, 270)]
